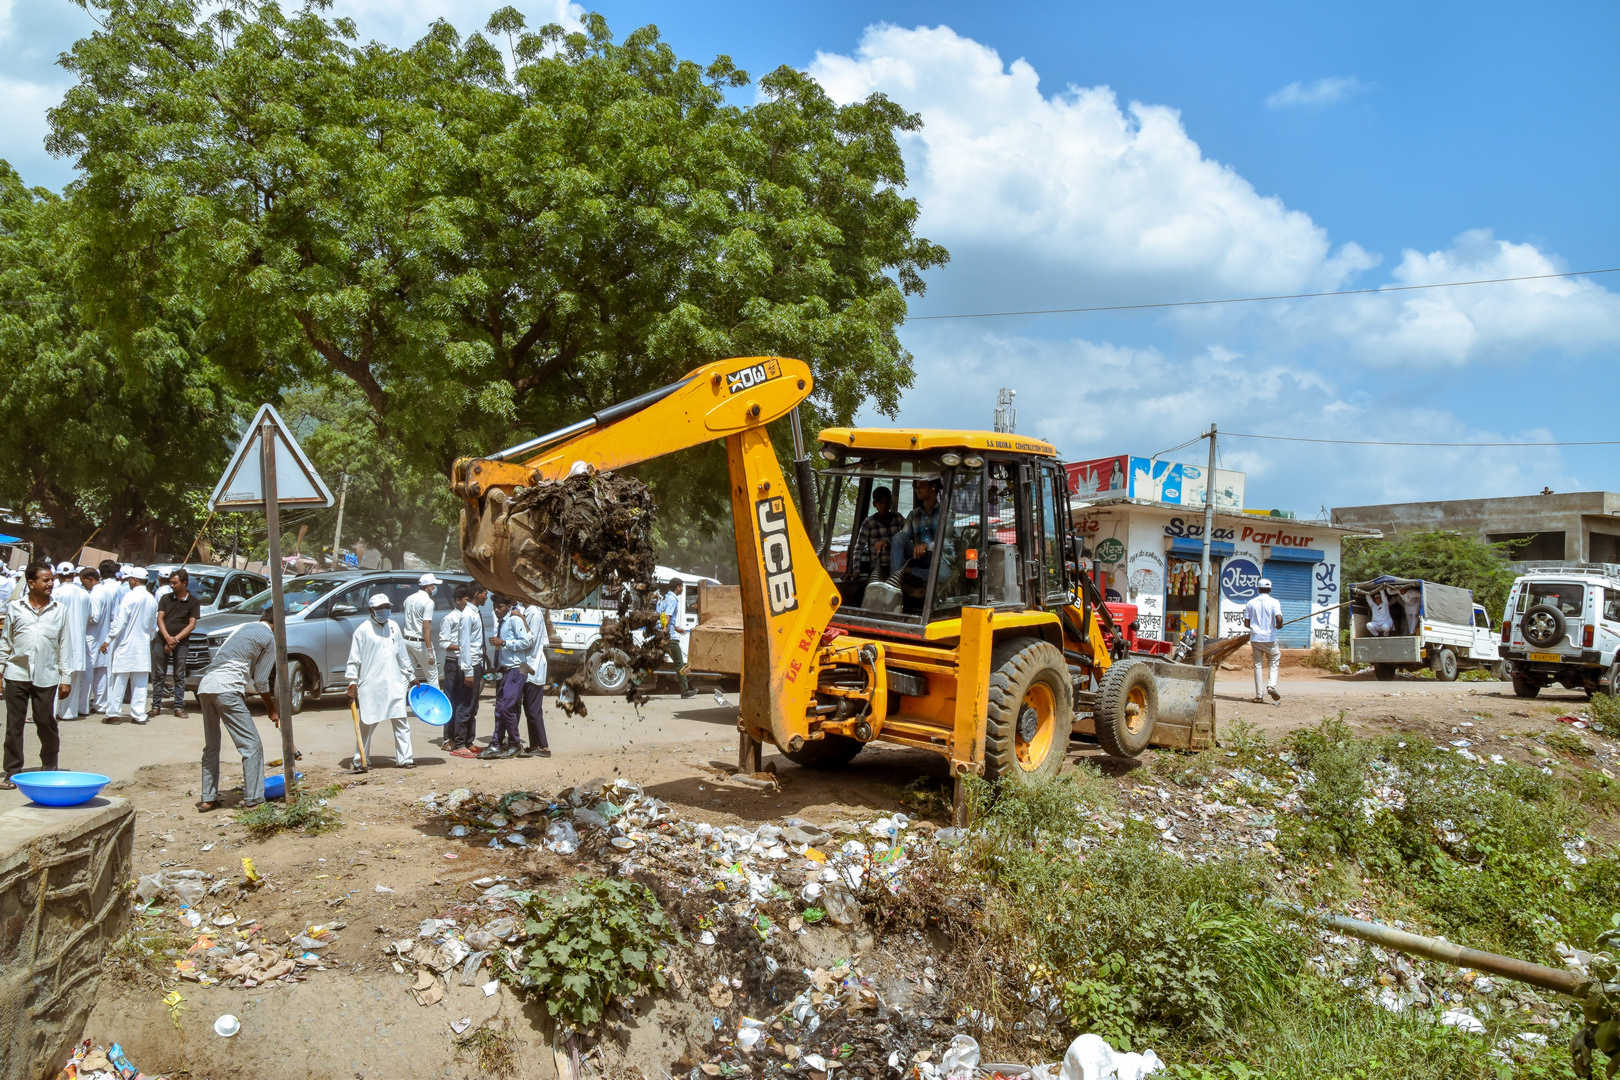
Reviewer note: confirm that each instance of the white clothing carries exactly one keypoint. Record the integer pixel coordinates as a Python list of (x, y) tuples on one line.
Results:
[(448, 634), (416, 614), (104, 601), (1263, 612), (486, 631), (1379, 624), (129, 643), (1265, 651), (380, 671), (75, 601), (98, 688), (535, 662), (133, 681), (32, 643)]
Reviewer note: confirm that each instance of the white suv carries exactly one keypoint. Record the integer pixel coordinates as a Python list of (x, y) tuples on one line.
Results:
[(1562, 625)]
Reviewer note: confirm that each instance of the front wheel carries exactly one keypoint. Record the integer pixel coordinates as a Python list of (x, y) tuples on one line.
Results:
[(1444, 663), (1031, 711), (299, 691), (1127, 706), (831, 752), (607, 671), (1525, 687)]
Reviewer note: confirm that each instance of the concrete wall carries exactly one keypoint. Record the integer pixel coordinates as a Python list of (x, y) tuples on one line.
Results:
[(61, 902), (1577, 515)]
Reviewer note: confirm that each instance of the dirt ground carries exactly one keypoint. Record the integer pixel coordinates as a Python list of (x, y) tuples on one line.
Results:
[(391, 865)]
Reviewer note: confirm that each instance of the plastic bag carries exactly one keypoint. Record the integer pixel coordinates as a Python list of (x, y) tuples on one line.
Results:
[(562, 838), (961, 1059), (1091, 1058)]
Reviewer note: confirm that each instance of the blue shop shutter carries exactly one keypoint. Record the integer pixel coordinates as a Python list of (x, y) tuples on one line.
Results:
[(1291, 585)]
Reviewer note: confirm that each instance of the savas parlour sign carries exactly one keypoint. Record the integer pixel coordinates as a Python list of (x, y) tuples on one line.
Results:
[(1180, 527)]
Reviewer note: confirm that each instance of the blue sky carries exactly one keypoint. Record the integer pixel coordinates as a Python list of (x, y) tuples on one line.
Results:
[(1075, 155)]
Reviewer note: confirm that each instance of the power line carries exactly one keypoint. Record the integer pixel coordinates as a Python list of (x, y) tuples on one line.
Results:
[(1260, 299), (1385, 442)]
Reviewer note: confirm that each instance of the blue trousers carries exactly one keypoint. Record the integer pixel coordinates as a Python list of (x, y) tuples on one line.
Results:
[(463, 727)]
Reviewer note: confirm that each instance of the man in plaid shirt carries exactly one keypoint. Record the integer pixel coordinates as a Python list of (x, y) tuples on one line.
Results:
[(872, 538)]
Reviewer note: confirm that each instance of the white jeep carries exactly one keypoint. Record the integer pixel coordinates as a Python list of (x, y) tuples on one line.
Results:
[(1562, 625)]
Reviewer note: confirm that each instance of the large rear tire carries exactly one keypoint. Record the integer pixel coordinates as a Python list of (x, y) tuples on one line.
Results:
[(1031, 711), (1444, 663), (607, 671), (832, 752), (1127, 706), (1525, 687)]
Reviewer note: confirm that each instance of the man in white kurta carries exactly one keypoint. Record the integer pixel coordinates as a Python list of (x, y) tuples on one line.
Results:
[(129, 648), (75, 660), (379, 673), (105, 597)]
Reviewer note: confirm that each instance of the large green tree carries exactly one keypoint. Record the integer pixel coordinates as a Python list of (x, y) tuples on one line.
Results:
[(98, 441), (1448, 558), (484, 237)]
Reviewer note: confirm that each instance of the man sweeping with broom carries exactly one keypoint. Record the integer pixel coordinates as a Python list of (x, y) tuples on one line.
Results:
[(379, 672)]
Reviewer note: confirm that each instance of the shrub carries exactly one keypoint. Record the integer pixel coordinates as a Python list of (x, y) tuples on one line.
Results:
[(301, 811), (587, 949)]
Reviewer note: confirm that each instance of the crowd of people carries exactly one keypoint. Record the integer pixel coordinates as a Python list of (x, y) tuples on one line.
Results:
[(86, 641)]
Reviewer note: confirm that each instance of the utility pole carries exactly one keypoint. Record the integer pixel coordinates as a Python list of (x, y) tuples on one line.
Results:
[(1204, 591), (337, 534)]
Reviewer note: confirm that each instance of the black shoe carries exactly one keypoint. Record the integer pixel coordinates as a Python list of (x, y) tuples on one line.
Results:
[(1272, 690), (688, 692), (489, 753), (507, 752)]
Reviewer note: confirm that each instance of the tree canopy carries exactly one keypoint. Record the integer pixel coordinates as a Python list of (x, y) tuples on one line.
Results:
[(481, 237), (1448, 558)]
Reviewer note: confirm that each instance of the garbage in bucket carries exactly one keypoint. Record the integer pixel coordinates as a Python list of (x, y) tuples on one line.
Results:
[(275, 785), (430, 704)]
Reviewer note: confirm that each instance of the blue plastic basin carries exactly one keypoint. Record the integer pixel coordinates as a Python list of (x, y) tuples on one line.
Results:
[(60, 788), (430, 704), (275, 784)]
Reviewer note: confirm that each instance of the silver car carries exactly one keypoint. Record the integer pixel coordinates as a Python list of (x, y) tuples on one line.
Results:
[(218, 588), (323, 611)]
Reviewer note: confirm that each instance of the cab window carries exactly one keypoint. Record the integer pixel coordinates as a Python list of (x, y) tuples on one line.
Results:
[(1611, 605), (961, 559)]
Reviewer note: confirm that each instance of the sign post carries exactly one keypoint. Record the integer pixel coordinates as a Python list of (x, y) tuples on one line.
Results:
[(246, 486)]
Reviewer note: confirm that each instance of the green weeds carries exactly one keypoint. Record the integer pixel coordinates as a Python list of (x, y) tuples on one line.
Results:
[(302, 811)]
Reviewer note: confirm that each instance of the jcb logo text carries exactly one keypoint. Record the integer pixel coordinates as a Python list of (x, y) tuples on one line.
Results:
[(749, 377), (781, 592)]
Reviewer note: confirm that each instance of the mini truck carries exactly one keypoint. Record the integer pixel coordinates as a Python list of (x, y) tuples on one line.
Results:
[(972, 641), (1423, 624)]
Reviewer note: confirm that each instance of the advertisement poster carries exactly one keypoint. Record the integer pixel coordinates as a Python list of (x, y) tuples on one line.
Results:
[(1183, 485), (1099, 475)]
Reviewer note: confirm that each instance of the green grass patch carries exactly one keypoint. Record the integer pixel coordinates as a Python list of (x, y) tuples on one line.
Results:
[(308, 812)]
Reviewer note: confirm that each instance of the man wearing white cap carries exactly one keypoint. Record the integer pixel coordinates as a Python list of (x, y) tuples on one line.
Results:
[(129, 647), (104, 601), (1263, 617), (379, 672), (418, 631), (75, 661)]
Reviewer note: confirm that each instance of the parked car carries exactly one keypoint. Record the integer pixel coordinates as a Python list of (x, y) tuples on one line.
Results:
[(1563, 626), (323, 611), (219, 588)]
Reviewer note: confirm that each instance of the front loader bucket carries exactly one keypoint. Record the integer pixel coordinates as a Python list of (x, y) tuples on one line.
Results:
[(1186, 716), (509, 552)]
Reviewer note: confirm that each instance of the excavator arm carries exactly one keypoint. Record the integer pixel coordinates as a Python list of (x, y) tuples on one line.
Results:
[(784, 589)]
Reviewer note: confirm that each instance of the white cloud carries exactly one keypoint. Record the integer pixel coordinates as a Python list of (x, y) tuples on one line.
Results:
[(1452, 327), (1108, 197), (1093, 399), (5, 18), (1328, 91), (23, 125)]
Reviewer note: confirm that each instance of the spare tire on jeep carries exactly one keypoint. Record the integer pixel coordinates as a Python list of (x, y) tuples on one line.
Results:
[(1543, 626)]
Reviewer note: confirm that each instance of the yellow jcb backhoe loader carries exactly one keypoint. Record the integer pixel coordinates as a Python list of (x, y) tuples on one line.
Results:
[(956, 621)]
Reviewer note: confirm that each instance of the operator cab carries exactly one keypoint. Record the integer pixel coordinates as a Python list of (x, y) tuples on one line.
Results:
[(973, 519)]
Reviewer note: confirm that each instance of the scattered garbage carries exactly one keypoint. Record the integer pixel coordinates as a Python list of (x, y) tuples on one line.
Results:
[(227, 1026), (1090, 1057)]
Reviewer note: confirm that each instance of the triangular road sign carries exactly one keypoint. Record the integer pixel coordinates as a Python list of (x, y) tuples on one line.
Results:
[(242, 485)]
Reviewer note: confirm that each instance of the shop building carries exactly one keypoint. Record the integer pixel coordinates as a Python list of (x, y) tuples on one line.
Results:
[(1145, 538)]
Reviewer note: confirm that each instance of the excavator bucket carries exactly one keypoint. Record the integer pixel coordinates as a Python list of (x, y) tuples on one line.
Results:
[(511, 552), (1186, 716)]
